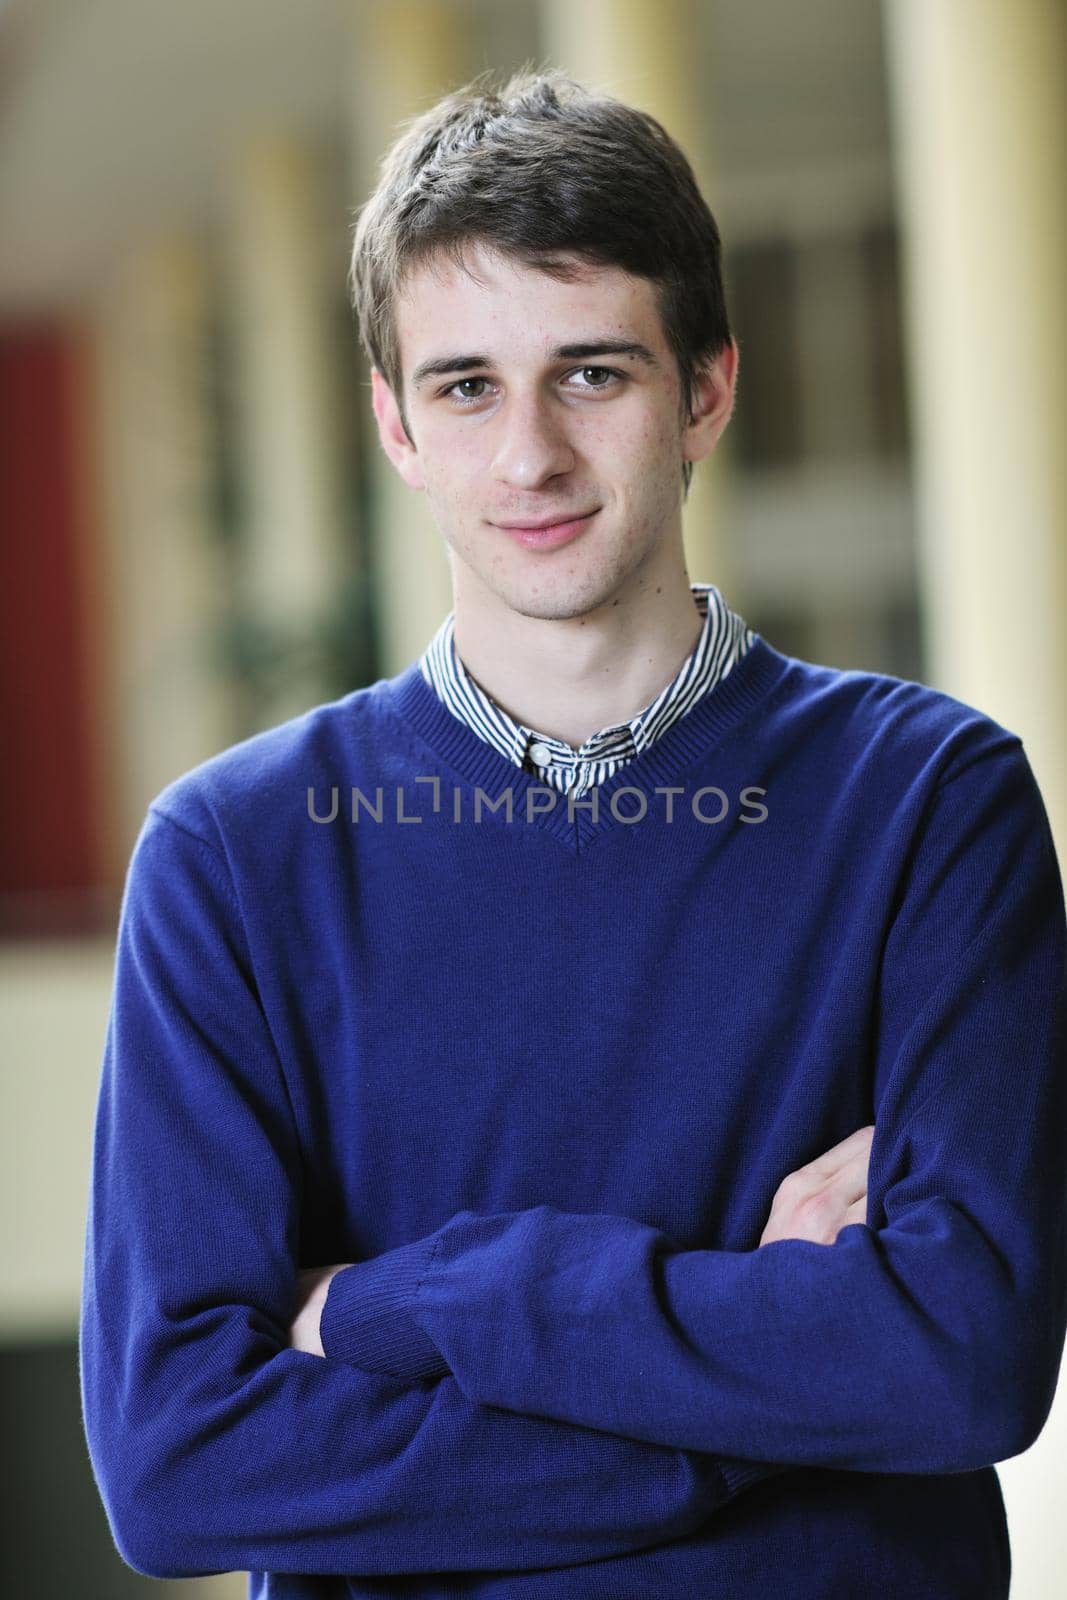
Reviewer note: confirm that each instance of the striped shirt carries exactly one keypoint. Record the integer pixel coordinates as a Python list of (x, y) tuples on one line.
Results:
[(724, 639)]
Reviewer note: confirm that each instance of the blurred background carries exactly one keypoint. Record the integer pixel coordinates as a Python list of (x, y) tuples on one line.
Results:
[(199, 535)]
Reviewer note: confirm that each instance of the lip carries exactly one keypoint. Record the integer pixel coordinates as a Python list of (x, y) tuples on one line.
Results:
[(547, 536)]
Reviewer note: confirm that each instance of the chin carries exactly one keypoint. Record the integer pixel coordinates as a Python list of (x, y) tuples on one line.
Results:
[(562, 602)]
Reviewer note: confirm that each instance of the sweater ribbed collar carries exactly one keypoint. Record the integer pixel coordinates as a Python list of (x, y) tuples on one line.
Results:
[(686, 743)]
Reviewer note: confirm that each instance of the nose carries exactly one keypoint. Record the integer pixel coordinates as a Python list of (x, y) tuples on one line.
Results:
[(531, 443)]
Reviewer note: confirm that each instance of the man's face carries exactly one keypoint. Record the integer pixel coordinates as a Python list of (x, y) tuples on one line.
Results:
[(520, 413)]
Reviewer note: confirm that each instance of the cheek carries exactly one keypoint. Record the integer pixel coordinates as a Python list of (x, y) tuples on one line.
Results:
[(633, 441), (664, 435), (645, 458), (453, 469)]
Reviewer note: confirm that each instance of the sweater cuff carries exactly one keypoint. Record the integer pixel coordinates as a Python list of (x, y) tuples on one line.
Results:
[(367, 1320)]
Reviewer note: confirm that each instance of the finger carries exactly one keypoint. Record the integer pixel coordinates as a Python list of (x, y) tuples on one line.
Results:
[(849, 1184), (853, 1149)]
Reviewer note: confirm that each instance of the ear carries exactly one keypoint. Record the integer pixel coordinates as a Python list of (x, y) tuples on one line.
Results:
[(713, 404), (395, 442)]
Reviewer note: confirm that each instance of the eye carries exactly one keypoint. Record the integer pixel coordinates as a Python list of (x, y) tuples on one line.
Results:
[(605, 374), (452, 392), (597, 380)]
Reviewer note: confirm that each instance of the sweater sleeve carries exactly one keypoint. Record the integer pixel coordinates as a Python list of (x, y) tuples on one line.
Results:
[(927, 1339), (216, 1446)]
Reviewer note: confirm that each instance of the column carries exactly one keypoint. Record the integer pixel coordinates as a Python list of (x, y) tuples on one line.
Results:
[(980, 113), (164, 594), (285, 257)]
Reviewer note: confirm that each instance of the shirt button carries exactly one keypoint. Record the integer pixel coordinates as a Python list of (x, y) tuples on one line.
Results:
[(541, 754)]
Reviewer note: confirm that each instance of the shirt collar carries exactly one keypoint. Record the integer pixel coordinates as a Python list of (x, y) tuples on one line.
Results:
[(723, 639)]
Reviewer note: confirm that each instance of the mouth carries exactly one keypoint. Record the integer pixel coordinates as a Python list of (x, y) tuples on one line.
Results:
[(547, 535)]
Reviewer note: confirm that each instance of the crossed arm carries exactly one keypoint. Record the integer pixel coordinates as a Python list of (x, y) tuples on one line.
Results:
[(813, 1203)]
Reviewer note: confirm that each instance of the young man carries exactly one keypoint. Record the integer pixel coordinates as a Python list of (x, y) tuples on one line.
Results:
[(481, 1200)]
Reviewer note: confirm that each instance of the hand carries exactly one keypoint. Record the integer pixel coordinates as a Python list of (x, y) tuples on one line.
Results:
[(312, 1287), (818, 1200)]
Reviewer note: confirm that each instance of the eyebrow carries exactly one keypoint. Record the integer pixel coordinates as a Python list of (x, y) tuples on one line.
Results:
[(441, 366)]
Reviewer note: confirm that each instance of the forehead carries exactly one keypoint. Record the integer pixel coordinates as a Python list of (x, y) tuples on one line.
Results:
[(493, 300)]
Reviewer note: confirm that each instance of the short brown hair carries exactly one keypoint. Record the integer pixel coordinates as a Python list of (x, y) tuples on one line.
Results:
[(541, 169)]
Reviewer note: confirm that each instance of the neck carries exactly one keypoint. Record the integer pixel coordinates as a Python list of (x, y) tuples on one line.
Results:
[(571, 677)]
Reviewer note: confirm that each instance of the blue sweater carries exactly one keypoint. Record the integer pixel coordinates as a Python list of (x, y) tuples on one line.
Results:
[(537, 1072)]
